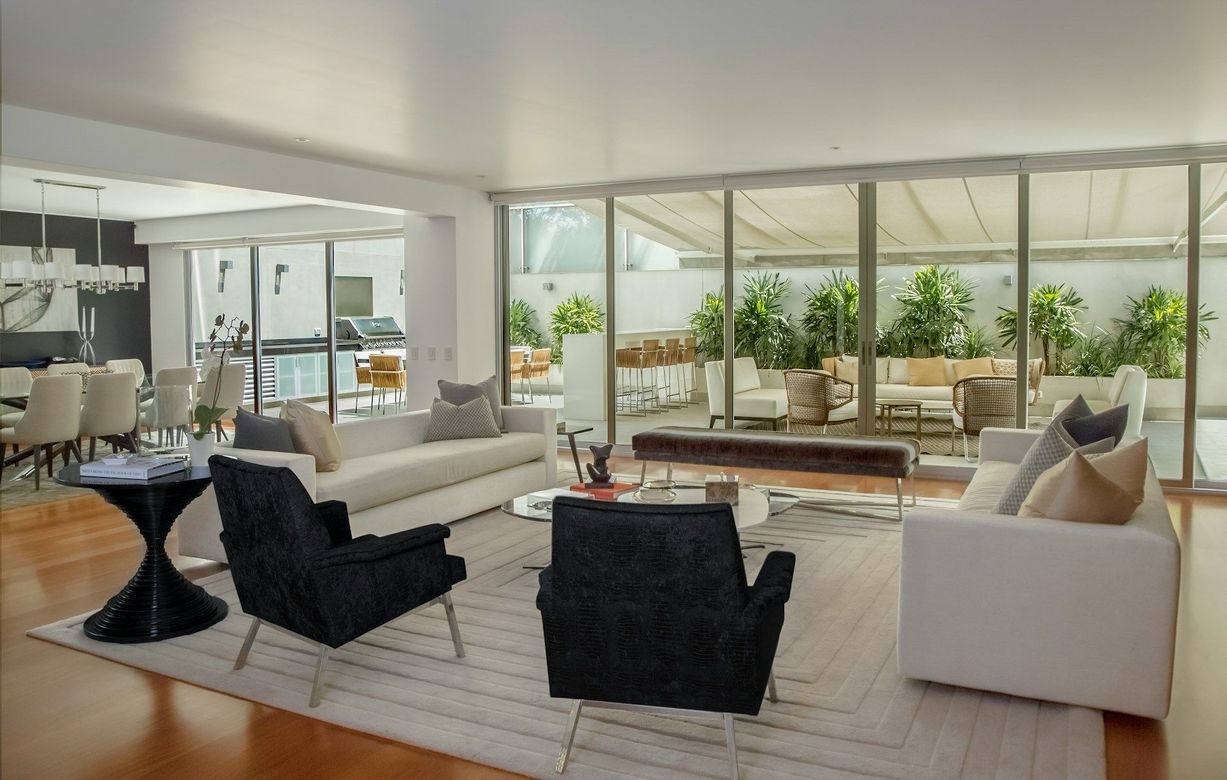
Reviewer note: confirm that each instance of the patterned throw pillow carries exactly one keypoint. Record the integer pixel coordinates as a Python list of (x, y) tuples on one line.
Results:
[(1053, 446), (472, 420), (457, 393)]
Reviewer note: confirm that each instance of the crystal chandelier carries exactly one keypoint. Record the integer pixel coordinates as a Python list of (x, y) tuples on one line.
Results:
[(44, 271)]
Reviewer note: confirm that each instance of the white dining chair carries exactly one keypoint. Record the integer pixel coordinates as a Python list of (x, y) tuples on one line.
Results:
[(53, 416), (110, 408), (169, 410), (129, 366), (14, 382), (233, 380), (81, 369)]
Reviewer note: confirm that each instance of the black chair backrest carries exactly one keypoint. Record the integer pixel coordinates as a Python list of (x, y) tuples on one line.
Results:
[(270, 526)]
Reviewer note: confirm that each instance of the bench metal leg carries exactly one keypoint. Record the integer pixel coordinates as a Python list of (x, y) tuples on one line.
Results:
[(899, 496), (643, 473)]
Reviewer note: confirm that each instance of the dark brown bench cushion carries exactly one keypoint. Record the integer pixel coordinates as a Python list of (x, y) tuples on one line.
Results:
[(863, 456)]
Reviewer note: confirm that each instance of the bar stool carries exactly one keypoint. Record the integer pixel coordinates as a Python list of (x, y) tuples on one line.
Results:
[(387, 373), (672, 361), (690, 356), (629, 392), (650, 360)]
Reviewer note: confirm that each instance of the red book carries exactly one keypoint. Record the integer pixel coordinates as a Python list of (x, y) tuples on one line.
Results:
[(606, 494)]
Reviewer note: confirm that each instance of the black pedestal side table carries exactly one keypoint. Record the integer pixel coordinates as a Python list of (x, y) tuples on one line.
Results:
[(158, 602)]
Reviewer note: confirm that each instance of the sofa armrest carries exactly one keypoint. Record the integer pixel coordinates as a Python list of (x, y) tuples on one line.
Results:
[(537, 420), (1006, 444), (1047, 609)]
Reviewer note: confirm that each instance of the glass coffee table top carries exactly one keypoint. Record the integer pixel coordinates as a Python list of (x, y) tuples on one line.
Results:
[(754, 505)]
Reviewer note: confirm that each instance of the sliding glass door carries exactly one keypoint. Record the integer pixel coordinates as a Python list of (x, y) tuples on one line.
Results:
[(292, 326), (1210, 450)]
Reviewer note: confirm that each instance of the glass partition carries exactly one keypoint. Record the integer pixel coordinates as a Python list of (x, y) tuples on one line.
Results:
[(1108, 290), (557, 315), (221, 285), (946, 268), (368, 282), (1210, 444), (293, 316), (668, 281)]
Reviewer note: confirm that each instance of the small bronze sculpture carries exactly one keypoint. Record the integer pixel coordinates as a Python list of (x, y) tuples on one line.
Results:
[(598, 469)]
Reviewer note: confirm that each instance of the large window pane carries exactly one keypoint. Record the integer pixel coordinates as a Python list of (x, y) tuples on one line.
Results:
[(557, 315), (668, 281), (293, 315), (1211, 443), (369, 283), (946, 269), (1108, 276), (221, 285)]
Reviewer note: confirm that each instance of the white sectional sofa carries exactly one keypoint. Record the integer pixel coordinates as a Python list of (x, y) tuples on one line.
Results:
[(1048, 609), (893, 380), (751, 401), (391, 480)]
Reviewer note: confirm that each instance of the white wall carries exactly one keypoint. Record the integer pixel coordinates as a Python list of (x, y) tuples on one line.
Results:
[(466, 320), (167, 312), (430, 293)]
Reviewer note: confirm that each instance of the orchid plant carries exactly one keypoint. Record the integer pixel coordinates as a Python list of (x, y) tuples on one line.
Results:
[(228, 336)]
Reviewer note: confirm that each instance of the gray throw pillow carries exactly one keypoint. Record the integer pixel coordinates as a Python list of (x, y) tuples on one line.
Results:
[(1093, 427), (1053, 446), (472, 420), (457, 393), (257, 432)]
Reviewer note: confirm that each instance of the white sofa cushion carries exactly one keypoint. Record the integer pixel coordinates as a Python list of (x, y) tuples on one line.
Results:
[(915, 392), (745, 375), (764, 402), (989, 482), (372, 480)]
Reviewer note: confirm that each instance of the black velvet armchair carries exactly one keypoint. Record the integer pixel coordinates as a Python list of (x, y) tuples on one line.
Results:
[(296, 566), (647, 608)]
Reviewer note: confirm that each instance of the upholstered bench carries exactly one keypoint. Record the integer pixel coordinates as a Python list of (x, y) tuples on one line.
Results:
[(779, 451)]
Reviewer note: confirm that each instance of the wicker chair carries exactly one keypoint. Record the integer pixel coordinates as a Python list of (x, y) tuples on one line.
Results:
[(362, 376), (387, 373), (983, 402), (812, 396), (539, 367)]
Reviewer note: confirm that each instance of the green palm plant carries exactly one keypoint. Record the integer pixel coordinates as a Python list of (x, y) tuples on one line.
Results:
[(521, 325), (577, 314), (1099, 353), (707, 325), (934, 307), (829, 321), (761, 328), (1053, 311), (978, 344), (1154, 330)]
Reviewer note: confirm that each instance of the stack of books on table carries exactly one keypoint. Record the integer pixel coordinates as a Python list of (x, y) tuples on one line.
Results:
[(134, 467)]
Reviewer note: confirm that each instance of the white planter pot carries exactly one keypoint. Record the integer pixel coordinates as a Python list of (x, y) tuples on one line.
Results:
[(201, 450)]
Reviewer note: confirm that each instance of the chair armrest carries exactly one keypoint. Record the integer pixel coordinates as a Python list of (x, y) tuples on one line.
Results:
[(1006, 444), (773, 584), (366, 549), (335, 515)]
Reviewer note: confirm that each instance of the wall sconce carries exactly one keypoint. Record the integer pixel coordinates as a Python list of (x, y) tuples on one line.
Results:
[(282, 268), (402, 281), (547, 286), (222, 267)]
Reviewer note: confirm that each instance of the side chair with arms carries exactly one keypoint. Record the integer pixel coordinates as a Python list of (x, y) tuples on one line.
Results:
[(14, 383), (52, 417), (362, 376), (169, 410), (647, 608), (982, 402), (387, 373), (128, 366), (539, 367), (816, 399), (296, 566)]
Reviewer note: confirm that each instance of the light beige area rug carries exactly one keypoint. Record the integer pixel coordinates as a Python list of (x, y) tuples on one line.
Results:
[(843, 711)]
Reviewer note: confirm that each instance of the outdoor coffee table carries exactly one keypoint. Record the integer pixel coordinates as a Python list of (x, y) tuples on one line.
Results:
[(888, 408)]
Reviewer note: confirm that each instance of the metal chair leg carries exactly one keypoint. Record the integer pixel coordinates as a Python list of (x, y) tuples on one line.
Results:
[(568, 737), (450, 609), (320, 660), (772, 695), (731, 740), (241, 661), (899, 496)]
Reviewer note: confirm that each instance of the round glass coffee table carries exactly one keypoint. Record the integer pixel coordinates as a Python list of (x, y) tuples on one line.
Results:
[(754, 503)]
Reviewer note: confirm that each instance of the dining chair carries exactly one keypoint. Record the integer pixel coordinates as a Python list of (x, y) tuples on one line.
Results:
[(232, 379), (362, 376), (53, 416), (539, 366), (110, 409), (517, 364), (81, 369), (169, 410), (14, 383), (387, 373), (128, 365)]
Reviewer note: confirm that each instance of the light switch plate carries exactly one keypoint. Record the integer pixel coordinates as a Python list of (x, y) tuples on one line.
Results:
[(431, 353), (447, 353), (413, 353)]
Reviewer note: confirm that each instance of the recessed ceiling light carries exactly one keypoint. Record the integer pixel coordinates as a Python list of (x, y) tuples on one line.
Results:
[(302, 140)]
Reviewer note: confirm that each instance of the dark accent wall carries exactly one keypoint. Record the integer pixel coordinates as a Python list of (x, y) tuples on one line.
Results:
[(122, 317)]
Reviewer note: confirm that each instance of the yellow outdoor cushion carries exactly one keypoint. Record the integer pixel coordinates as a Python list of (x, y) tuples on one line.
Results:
[(974, 367), (926, 372)]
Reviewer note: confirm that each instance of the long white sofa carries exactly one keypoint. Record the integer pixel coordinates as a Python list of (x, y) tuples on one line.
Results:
[(893, 380), (391, 480), (1048, 609)]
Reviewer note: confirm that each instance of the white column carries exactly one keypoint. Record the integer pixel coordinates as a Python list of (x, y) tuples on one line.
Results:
[(430, 306), (168, 321)]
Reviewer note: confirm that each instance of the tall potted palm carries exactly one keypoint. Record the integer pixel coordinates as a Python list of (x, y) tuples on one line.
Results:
[(934, 308), (761, 328), (1054, 310)]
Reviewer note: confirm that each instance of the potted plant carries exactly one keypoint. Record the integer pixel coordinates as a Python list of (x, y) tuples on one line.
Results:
[(577, 314), (934, 307), (707, 324), (761, 328), (522, 331), (225, 337), (1154, 330), (830, 319), (1053, 312)]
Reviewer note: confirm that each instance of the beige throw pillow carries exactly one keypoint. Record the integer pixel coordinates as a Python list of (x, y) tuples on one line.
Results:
[(926, 372), (974, 367), (848, 369), (1103, 488), (312, 434)]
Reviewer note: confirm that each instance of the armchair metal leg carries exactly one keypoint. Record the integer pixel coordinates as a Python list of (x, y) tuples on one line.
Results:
[(446, 598), (731, 740), (320, 660), (241, 661), (568, 737), (772, 695), (899, 496)]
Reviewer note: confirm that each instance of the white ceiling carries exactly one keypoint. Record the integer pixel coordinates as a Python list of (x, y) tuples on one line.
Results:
[(129, 200), (500, 95)]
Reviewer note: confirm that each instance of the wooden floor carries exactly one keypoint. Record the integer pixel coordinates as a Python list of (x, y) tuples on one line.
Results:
[(66, 714)]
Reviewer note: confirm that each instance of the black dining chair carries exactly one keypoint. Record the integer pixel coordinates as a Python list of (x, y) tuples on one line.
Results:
[(297, 567), (647, 608)]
